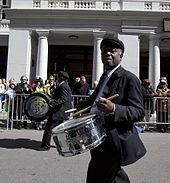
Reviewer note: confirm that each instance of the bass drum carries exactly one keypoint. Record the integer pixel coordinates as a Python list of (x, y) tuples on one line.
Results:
[(36, 106), (78, 135)]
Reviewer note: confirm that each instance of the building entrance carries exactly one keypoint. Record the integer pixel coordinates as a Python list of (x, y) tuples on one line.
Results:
[(76, 60)]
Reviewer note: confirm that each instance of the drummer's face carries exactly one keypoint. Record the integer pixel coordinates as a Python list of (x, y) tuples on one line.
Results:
[(111, 56)]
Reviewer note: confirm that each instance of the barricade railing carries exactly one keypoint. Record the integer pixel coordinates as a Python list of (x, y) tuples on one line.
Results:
[(13, 109), (157, 112), (157, 109), (5, 102)]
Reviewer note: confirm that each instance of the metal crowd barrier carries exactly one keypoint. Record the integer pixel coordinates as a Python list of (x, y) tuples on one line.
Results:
[(13, 109), (5, 102), (157, 110), (157, 113)]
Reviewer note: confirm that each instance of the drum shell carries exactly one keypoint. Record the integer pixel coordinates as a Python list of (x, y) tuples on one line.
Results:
[(78, 138), (36, 106)]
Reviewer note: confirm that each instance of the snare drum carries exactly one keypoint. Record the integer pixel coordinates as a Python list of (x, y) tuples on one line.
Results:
[(78, 135)]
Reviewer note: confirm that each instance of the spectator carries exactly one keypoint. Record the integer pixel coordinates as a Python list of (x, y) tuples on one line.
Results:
[(2, 87), (12, 80), (22, 88), (34, 83), (4, 82), (81, 87), (52, 84), (47, 87), (40, 85), (162, 91), (2, 96), (75, 85), (148, 94), (77, 79), (11, 91)]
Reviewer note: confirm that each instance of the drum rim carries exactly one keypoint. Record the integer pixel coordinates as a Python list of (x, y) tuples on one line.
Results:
[(62, 128), (44, 96)]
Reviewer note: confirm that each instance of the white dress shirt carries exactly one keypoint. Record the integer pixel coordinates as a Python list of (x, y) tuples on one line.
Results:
[(94, 108)]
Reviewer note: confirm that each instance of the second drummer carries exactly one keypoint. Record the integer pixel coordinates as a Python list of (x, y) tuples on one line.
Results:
[(61, 101)]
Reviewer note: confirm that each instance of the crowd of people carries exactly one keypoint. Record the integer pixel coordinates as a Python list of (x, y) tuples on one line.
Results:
[(135, 102), (161, 105), (82, 87), (8, 91)]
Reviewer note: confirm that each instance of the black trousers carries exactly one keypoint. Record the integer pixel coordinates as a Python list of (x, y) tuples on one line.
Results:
[(105, 165), (48, 132)]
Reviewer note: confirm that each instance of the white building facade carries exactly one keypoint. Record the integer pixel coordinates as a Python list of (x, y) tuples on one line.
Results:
[(45, 36)]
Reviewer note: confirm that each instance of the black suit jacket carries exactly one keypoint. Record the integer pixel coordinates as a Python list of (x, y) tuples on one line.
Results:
[(119, 125), (61, 101)]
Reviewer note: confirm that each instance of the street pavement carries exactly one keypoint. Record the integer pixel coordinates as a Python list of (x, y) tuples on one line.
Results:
[(20, 162)]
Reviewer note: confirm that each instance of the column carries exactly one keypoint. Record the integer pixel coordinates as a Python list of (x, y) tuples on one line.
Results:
[(42, 55), (97, 61), (131, 56), (154, 60), (19, 52), (28, 63)]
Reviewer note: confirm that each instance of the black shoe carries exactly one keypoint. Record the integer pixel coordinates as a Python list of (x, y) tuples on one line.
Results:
[(52, 146), (26, 127), (44, 148), (19, 127)]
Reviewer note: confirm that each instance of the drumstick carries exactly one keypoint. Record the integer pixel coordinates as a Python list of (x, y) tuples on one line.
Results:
[(87, 108)]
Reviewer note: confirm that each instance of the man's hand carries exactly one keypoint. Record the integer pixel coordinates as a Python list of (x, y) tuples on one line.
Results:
[(105, 105)]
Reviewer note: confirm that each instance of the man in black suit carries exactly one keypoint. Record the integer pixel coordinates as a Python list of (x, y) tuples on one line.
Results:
[(61, 101), (122, 145)]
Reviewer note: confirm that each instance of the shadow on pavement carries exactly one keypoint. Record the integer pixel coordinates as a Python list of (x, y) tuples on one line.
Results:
[(20, 143)]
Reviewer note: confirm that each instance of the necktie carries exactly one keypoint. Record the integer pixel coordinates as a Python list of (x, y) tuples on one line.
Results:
[(103, 83)]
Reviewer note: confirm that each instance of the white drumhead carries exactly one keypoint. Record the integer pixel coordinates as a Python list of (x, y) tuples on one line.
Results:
[(73, 122)]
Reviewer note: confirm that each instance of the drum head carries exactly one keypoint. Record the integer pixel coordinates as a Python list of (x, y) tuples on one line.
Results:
[(36, 106), (73, 122)]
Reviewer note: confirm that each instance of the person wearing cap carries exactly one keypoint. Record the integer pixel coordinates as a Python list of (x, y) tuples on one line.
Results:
[(122, 145), (61, 101)]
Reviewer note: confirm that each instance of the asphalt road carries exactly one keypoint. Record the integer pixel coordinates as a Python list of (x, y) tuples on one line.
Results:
[(20, 162)]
